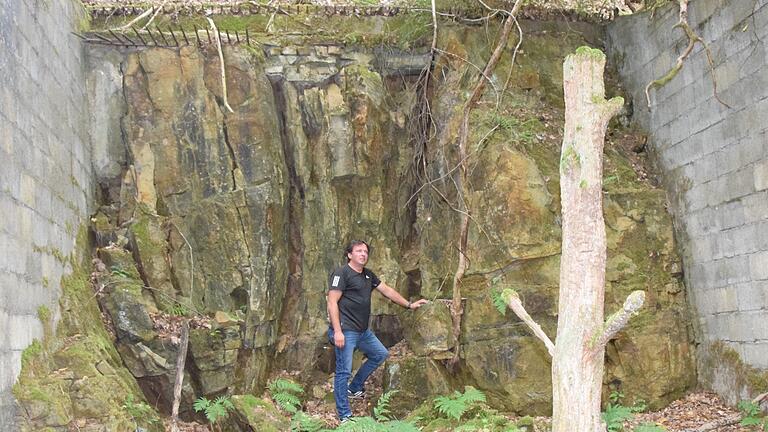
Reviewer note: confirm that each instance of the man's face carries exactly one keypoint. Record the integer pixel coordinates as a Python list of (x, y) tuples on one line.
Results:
[(359, 254)]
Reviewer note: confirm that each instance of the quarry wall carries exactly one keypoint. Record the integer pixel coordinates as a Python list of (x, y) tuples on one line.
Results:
[(714, 160), (45, 171)]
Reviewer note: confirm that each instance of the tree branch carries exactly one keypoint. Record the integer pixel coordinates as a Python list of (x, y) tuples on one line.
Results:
[(457, 309), (692, 39), (135, 20), (221, 59), (618, 320), (513, 301), (155, 15)]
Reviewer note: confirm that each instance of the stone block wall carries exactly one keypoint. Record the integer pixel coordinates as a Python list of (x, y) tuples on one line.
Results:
[(714, 160), (45, 170)]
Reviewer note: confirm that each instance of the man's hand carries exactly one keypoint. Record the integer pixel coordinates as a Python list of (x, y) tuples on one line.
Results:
[(418, 303), (338, 339)]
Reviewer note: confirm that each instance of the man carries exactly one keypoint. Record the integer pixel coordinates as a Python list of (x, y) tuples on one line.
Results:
[(349, 310)]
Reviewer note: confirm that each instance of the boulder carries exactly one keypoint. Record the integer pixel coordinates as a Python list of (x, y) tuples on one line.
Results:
[(415, 379), (428, 329), (259, 414), (213, 354)]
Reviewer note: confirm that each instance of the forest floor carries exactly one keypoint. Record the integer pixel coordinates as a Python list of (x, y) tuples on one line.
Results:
[(686, 414)]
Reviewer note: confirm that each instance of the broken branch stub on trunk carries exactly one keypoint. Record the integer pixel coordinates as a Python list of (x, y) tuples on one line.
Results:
[(512, 299)]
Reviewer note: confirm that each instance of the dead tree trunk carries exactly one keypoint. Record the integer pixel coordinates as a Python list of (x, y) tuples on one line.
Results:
[(577, 367), (579, 351), (180, 362)]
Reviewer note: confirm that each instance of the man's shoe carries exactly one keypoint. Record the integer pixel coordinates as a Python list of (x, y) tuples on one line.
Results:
[(355, 395), (346, 419)]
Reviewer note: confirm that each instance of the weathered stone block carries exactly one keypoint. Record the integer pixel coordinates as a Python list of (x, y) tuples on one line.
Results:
[(752, 295), (754, 354), (761, 175), (758, 264)]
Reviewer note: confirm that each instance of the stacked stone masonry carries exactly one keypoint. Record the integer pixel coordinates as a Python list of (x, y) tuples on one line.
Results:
[(714, 158), (45, 170)]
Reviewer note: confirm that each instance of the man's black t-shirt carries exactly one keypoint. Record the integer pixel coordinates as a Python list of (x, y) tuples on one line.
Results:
[(355, 302)]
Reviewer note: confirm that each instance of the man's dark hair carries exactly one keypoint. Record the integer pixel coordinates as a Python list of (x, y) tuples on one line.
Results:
[(352, 245)]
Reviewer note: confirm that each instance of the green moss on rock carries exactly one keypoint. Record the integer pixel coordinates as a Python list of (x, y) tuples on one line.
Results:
[(75, 375), (260, 414), (719, 361)]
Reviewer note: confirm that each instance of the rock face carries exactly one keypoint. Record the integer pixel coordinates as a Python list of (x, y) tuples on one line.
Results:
[(514, 237), (247, 212)]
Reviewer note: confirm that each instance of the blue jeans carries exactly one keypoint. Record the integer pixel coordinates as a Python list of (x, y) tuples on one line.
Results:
[(374, 351)]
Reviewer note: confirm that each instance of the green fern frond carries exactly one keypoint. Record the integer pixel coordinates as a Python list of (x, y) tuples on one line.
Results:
[(303, 422), (381, 412), (453, 408), (614, 417), (361, 424), (225, 402), (215, 412), (284, 392), (201, 404), (287, 401), (400, 426), (472, 395), (285, 385), (459, 403), (498, 302)]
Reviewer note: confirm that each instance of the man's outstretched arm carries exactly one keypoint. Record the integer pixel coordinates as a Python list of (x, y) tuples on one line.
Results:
[(395, 297)]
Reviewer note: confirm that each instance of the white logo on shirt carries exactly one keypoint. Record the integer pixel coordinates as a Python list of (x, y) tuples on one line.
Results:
[(335, 282), (367, 277)]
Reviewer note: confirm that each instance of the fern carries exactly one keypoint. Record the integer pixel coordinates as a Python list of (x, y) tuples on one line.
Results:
[(472, 395), (285, 385), (287, 401), (285, 393), (401, 426), (751, 415), (459, 403), (369, 424), (615, 416), (215, 410), (360, 424), (381, 412), (225, 402), (302, 422), (450, 407), (178, 309), (201, 404), (498, 301)]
